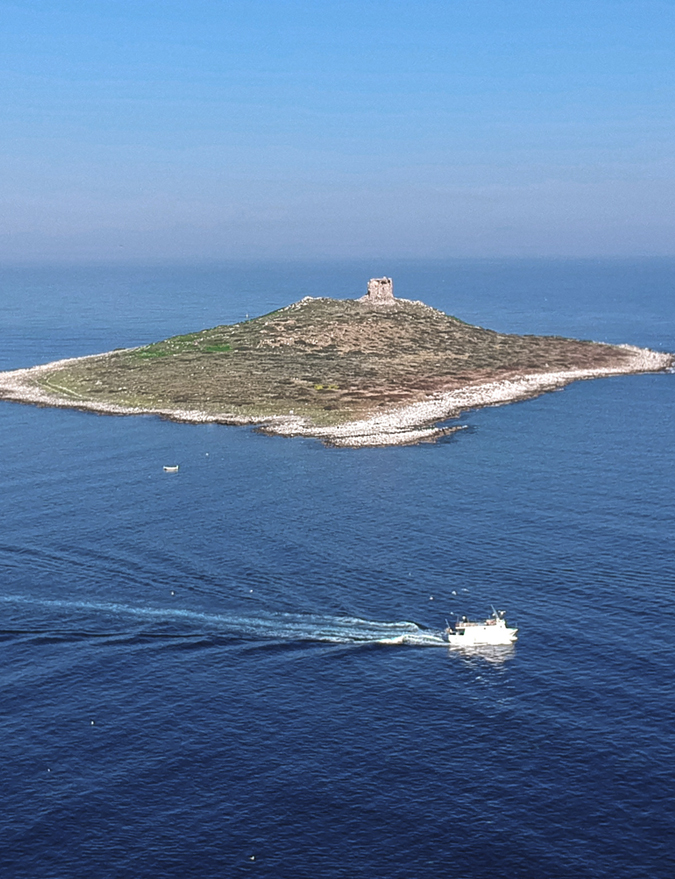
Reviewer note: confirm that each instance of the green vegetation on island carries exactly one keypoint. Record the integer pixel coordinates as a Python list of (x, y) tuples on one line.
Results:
[(325, 360)]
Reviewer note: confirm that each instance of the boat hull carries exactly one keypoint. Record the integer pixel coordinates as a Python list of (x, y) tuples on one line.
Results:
[(480, 638), (492, 631)]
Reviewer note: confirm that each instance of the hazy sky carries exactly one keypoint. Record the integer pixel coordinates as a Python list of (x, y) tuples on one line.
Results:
[(159, 129)]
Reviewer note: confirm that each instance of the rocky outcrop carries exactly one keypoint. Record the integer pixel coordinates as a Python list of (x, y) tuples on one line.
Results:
[(350, 373)]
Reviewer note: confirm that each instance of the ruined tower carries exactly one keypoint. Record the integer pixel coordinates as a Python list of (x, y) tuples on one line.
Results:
[(380, 291)]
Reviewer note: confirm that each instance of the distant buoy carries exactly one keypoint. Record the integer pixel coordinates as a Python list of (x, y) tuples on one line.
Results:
[(431, 598), (92, 723), (172, 592)]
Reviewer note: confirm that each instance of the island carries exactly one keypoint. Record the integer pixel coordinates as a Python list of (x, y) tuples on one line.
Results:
[(374, 371)]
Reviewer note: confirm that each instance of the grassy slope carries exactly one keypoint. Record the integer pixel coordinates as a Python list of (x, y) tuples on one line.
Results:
[(328, 359)]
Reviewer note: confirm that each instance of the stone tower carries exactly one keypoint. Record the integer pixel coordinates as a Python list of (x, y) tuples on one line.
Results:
[(380, 291)]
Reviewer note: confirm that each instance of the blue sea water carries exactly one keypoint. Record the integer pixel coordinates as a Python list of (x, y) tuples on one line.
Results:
[(197, 673)]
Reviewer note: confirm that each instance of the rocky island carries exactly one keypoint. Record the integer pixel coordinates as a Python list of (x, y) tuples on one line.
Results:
[(373, 371)]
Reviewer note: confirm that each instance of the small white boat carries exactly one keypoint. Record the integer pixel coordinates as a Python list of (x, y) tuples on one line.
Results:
[(171, 468), (494, 630)]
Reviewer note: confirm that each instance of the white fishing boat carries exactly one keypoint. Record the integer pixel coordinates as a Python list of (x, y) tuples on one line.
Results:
[(494, 630), (171, 468)]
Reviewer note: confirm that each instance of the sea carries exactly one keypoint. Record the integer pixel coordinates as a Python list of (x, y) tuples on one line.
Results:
[(236, 669)]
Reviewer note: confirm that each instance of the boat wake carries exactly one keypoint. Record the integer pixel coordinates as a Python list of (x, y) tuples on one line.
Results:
[(275, 627)]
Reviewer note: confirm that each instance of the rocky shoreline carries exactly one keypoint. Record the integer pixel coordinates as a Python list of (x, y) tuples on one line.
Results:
[(415, 423), (403, 425)]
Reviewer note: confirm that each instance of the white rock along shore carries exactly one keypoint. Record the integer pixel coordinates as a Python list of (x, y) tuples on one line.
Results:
[(404, 425)]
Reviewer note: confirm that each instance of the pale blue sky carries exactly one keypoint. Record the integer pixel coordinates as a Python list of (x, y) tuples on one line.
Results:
[(217, 129)]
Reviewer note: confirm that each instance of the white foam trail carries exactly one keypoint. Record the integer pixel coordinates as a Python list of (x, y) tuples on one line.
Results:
[(278, 627)]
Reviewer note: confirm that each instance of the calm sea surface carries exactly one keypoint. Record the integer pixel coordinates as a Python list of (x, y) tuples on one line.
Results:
[(195, 679)]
